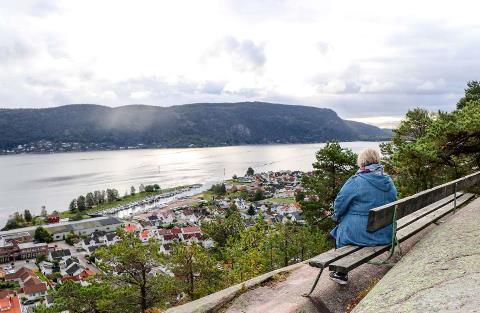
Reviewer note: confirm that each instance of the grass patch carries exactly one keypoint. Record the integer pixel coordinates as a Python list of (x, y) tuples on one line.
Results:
[(289, 200), (206, 195), (10, 285), (41, 276)]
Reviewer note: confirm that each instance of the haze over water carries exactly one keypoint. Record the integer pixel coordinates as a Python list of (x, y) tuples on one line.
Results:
[(29, 181)]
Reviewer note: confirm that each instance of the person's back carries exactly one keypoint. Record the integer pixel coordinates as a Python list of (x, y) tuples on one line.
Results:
[(367, 189)]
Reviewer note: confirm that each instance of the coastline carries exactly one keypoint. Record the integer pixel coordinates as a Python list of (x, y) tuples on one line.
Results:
[(133, 202), (188, 147)]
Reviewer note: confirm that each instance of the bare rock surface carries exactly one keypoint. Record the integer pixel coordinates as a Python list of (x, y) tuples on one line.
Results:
[(440, 274), (329, 297)]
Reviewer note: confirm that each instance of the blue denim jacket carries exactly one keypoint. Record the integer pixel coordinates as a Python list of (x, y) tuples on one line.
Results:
[(362, 192)]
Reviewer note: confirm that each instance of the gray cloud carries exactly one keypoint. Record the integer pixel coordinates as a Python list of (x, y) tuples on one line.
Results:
[(212, 87), (422, 62), (245, 54), (14, 49)]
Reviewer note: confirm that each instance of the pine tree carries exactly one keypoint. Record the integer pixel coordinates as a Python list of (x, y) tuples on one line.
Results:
[(333, 166)]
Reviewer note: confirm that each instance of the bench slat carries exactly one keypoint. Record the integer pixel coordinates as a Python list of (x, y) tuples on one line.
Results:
[(324, 259), (426, 210), (365, 254), (382, 216)]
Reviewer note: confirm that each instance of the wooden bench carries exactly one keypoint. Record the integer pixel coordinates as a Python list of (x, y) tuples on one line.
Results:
[(408, 216)]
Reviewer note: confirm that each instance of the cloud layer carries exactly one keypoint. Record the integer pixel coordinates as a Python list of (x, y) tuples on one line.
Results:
[(371, 61)]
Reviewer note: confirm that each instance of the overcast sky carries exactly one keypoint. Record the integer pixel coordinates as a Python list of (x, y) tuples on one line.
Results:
[(367, 60)]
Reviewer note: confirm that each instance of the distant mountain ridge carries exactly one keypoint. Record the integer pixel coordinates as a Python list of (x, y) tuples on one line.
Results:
[(199, 124)]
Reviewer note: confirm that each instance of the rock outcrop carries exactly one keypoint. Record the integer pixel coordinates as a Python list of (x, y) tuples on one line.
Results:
[(440, 274)]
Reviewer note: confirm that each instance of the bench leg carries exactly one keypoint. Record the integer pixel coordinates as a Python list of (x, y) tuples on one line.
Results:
[(314, 284)]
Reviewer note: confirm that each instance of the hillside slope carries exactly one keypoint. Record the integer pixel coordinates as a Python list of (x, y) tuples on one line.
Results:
[(201, 124)]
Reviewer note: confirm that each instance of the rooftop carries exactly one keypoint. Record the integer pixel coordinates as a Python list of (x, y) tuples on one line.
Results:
[(65, 227)]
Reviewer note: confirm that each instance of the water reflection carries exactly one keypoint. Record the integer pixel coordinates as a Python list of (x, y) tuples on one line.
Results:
[(30, 181)]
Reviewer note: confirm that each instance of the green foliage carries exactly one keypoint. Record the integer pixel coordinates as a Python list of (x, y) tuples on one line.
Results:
[(27, 216), (11, 285), (219, 189), (149, 188), (333, 166), (92, 298), (251, 210), (196, 270), (222, 228), (16, 220), (412, 164), (472, 94), (42, 235), (70, 238), (89, 200), (40, 258), (263, 248), (128, 266), (73, 206), (258, 195), (250, 171), (299, 195), (81, 204), (428, 149), (112, 195)]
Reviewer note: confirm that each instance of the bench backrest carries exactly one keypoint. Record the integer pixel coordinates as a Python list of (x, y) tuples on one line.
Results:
[(382, 216)]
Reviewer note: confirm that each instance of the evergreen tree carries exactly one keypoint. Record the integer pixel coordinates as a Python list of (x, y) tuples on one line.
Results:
[(250, 171), (42, 235), (27, 216), (130, 264), (251, 210), (258, 195), (89, 200), (195, 268), (73, 206), (333, 166), (132, 191), (221, 229), (81, 205), (472, 94)]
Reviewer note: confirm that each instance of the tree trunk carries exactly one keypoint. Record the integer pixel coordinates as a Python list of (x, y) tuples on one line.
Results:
[(143, 292)]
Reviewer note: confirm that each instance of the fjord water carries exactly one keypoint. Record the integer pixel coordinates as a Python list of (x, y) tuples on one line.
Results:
[(29, 181)]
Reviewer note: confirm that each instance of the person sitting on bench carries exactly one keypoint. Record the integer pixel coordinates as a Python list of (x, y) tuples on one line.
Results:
[(370, 187)]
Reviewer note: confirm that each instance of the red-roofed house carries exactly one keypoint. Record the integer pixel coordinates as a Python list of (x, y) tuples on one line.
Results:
[(191, 230), (130, 228), (31, 285), (146, 234), (163, 232), (10, 304), (176, 230), (82, 276)]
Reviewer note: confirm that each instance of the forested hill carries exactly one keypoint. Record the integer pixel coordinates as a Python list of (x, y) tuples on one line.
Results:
[(201, 124)]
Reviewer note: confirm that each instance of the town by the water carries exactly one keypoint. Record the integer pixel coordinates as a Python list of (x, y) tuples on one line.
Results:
[(32, 265)]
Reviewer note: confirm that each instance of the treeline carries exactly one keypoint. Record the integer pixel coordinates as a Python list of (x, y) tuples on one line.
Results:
[(99, 197), (18, 220), (92, 199)]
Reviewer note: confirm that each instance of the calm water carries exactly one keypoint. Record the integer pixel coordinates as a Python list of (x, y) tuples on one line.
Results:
[(30, 181)]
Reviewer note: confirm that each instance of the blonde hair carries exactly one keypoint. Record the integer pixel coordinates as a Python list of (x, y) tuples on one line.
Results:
[(368, 156)]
